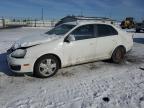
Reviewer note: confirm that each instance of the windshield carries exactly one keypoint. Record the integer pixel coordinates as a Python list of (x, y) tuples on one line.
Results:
[(60, 30)]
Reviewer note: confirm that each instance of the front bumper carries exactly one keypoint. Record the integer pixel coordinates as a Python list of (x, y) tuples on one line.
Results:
[(20, 65)]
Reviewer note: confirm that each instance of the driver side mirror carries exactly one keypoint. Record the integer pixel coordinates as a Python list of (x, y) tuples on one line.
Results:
[(69, 38)]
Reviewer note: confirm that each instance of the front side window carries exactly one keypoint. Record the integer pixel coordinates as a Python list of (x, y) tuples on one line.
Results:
[(84, 32), (60, 30), (105, 30)]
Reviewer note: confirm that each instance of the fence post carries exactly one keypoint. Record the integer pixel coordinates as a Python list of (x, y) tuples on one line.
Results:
[(3, 22), (35, 23), (52, 23)]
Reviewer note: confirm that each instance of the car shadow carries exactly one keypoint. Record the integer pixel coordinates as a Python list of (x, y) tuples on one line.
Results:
[(3, 65), (139, 40)]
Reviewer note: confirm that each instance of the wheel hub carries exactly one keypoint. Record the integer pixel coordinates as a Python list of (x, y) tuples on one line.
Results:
[(47, 67)]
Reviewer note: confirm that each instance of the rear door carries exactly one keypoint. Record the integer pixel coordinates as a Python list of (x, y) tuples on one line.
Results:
[(107, 38)]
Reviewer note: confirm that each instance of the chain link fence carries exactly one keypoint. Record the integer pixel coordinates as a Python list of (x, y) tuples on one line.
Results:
[(17, 22)]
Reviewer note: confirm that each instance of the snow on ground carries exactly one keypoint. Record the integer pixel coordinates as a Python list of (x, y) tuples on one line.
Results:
[(93, 85)]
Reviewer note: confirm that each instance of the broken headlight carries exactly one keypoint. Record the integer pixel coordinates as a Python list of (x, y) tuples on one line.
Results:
[(19, 53)]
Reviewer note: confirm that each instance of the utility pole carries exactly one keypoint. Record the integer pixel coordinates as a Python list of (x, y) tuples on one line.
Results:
[(81, 13), (42, 16)]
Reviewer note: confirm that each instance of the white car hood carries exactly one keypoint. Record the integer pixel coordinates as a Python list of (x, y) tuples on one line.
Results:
[(34, 40)]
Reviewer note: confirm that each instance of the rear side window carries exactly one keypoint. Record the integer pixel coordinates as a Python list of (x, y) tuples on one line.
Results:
[(103, 30), (84, 32)]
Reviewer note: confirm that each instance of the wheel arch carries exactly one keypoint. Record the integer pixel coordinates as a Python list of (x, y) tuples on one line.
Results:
[(58, 58), (120, 46)]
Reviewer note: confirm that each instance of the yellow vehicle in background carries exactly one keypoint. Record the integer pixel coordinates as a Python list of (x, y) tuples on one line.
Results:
[(128, 23)]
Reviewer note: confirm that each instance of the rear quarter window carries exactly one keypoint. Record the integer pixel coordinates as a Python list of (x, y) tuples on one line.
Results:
[(105, 30)]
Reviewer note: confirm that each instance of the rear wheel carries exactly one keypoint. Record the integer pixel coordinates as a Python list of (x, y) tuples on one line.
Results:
[(118, 55), (137, 30), (46, 66)]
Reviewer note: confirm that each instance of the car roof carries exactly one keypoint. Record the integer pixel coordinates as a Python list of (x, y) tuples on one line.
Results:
[(87, 22)]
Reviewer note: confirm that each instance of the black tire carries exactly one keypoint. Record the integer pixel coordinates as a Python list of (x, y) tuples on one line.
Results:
[(129, 27), (118, 55), (37, 68), (123, 27), (137, 30)]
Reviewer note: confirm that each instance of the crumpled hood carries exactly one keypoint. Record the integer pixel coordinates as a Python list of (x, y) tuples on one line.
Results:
[(34, 40)]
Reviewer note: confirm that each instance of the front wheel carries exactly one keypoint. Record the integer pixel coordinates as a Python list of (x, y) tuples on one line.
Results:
[(46, 66), (118, 55)]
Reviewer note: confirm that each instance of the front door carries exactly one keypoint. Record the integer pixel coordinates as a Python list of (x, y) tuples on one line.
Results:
[(82, 48)]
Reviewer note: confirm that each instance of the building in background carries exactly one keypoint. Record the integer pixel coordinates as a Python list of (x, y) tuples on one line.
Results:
[(83, 18)]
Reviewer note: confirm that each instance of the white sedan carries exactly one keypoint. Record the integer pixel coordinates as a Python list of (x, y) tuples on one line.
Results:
[(68, 44)]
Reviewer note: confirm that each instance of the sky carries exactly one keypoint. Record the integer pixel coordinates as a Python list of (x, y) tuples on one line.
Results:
[(55, 9)]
